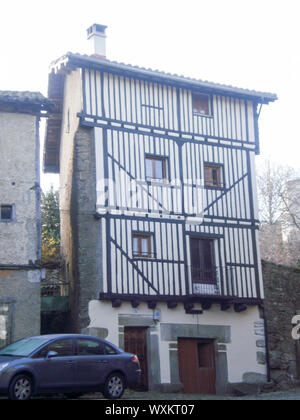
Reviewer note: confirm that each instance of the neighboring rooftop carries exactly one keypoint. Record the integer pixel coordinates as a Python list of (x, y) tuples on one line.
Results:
[(20, 100)]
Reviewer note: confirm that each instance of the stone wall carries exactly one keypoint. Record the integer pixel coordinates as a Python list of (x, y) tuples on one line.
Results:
[(85, 278), (20, 237), (20, 304), (19, 187), (80, 241), (80, 230), (282, 302)]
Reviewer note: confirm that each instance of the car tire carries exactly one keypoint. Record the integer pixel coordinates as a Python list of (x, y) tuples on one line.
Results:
[(21, 388), (114, 386)]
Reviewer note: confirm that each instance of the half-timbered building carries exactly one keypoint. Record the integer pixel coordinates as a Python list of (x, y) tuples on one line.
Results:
[(159, 217)]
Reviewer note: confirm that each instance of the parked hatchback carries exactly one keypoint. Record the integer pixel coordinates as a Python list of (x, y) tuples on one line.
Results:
[(72, 364)]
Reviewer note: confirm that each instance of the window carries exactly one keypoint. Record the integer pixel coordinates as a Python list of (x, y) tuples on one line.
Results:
[(6, 213), (203, 261), (63, 348), (213, 175), (201, 104), (108, 350), (142, 245), (156, 168), (89, 348)]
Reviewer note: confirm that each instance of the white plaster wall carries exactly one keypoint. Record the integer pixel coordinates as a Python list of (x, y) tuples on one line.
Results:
[(241, 352)]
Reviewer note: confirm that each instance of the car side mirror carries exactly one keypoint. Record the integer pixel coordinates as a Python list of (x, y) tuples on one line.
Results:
[(51, 354)]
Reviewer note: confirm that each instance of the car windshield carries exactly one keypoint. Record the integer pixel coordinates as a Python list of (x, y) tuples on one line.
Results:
[(23, 347)]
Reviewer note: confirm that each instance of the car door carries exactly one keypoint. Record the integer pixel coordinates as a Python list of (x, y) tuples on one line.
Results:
[(93, 365), (59, 371)]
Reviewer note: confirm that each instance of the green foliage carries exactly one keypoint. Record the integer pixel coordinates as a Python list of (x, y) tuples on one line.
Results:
[(50, 226)]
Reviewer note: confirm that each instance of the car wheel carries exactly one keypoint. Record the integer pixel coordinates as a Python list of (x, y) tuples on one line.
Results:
[(114, 386), (21, 388)]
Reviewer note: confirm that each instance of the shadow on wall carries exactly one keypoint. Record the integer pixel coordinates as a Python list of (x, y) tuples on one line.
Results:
[(55, 322)]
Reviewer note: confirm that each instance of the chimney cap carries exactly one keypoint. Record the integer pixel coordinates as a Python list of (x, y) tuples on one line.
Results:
[(96, 28)]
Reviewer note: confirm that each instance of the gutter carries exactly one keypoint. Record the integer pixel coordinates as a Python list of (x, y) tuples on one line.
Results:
[(20, 267)]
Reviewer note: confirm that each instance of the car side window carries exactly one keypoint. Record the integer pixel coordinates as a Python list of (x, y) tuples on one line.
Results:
[(63, 348), (86, 347), (109, 350)]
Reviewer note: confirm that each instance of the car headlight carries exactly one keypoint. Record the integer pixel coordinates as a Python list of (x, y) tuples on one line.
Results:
[(3, 366)]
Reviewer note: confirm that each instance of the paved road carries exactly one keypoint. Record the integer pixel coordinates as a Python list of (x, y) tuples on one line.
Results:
[(129, 395), (286, 395)]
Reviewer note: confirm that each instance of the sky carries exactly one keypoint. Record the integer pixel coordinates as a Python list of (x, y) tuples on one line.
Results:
[(244, 43)]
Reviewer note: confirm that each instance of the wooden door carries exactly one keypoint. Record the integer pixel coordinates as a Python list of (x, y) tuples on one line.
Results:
[(197, 366), (135, 341)]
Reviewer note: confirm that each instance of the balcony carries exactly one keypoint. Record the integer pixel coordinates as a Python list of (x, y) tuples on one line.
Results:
[(205, 281), (234, 282)]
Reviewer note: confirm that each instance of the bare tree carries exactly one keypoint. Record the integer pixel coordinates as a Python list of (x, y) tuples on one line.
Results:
[(272, 180), (291, 205), (279, 205)]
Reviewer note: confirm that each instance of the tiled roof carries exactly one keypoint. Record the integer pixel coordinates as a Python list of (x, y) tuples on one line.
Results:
[(80, 59), (24, 98)]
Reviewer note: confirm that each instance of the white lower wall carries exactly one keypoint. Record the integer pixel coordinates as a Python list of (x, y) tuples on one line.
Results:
[(241, 352)]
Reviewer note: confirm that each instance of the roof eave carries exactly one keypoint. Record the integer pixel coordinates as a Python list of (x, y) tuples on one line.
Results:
[(71, 60)]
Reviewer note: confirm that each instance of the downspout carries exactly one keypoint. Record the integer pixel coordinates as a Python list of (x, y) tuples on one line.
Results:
[(256, 131)]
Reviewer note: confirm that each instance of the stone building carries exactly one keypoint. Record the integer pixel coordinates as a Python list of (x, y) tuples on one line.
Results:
[(20, 219)]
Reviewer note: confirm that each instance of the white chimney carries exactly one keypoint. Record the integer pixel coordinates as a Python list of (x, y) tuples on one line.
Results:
[(97, 40)]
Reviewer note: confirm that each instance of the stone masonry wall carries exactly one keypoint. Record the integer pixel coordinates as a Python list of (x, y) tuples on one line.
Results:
[(86, 228), (19, 187), (282, 301), (81, 232), (20, 238), (20, 304)]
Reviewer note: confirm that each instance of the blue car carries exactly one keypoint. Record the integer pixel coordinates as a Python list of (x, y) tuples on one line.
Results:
[(72, 364)]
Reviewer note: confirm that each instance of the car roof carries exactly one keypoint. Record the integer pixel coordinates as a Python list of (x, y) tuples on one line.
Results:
[(60, 335), (67, 335)]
